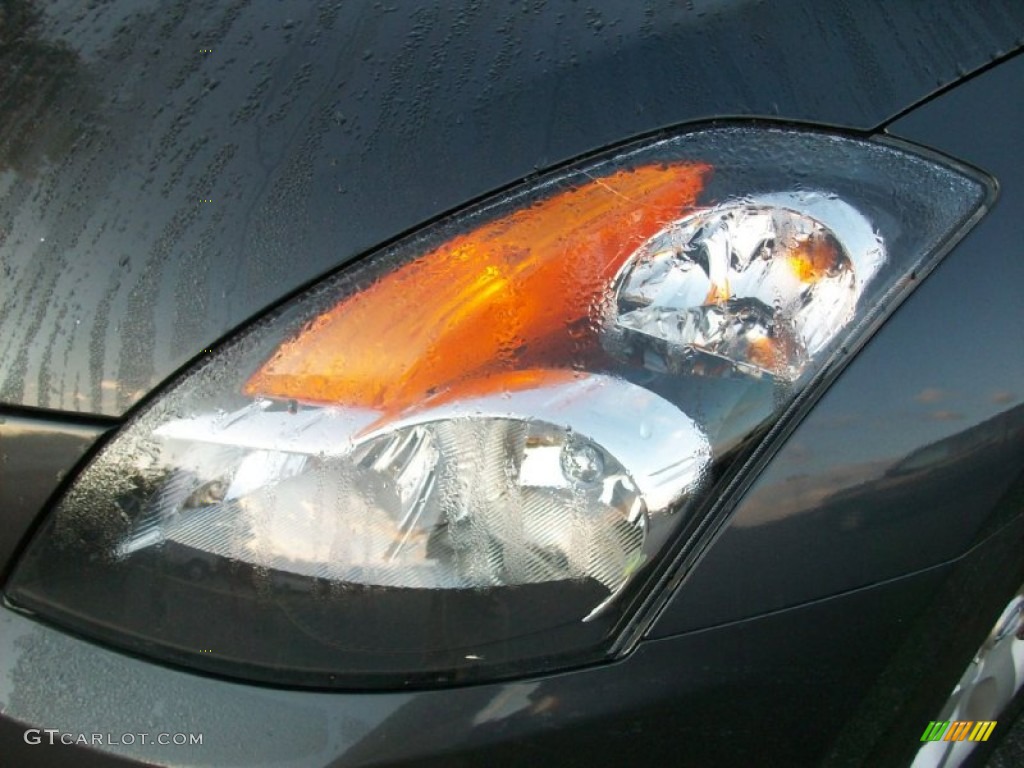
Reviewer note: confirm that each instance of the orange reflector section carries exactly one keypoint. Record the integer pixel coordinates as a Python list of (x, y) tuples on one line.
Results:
[(524, 291), (814, 258)]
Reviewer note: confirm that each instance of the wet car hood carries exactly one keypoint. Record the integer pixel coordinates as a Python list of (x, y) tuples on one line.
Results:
[(167, 170)]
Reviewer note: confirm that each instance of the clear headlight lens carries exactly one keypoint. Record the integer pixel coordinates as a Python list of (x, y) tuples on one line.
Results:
[(470, 454), (759, 285), (423, 500)]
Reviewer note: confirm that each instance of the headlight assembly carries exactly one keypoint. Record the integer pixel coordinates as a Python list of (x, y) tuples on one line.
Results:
[(472, 454)]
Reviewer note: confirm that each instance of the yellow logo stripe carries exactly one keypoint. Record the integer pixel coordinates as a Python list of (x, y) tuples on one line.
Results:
[(983, 730)]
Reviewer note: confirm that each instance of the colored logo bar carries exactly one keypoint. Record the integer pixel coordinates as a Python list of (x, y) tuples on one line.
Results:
[(958, 730)]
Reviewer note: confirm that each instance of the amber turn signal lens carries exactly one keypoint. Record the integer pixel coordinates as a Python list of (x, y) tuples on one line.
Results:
[(523, 291)]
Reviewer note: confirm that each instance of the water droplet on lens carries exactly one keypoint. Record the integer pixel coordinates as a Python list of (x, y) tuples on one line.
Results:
[(581, 462)]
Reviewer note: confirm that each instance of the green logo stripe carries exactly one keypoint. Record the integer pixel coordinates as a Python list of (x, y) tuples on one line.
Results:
[(935, 730)]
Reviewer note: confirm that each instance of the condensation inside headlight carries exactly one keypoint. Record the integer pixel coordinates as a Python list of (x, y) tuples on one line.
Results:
[(473, 454)]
